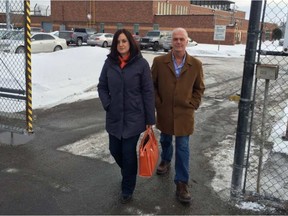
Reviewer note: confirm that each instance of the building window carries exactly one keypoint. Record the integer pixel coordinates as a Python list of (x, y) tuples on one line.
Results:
[(160, 8), (119, 26), (136, 29), (168, 8), (102, 27), (179, 10), (164, 8), (155, 26)]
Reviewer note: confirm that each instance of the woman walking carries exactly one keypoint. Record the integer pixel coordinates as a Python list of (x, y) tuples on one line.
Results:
[(126, 92)]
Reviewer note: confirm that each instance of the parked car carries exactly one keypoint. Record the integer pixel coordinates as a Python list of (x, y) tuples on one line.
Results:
[(55, 33), (67, 35), (154, 39), (81, 35), (40, 42), (33, 29), (100, 39), (191, 42), (136, 38), (167, 44), (36, 29), (4, 26), (281, 42), (6, 34), (2, 32)]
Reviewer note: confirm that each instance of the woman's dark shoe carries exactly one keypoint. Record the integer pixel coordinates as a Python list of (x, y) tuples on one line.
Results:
[(126, 198)]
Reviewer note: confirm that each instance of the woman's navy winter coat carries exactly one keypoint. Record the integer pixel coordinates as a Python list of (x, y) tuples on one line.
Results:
[(127, 95)]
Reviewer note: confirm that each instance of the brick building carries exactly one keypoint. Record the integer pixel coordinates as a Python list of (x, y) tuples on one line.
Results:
[(198, 17)]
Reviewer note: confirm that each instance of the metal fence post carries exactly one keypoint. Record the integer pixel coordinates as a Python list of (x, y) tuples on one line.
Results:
[(27, 21), (245, 100), (8, 20)]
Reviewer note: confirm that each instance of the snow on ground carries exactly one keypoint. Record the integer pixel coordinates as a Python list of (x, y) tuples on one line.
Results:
[(72, 74), (66, 76)]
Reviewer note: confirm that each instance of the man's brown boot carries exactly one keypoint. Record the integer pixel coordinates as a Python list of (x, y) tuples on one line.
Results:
[(182, 192), (163, 167)]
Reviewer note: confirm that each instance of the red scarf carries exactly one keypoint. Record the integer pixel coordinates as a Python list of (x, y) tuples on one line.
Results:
[(123, 60)]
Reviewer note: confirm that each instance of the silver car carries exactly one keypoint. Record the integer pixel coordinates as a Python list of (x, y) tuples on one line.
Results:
[(100, 39)]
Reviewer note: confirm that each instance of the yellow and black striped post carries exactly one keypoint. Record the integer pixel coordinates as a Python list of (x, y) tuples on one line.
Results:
[(27, 21)]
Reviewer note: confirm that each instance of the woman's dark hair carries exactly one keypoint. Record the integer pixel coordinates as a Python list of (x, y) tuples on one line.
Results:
[(134, 48)]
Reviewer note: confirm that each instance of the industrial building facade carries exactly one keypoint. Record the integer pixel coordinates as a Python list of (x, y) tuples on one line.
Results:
[(197, 17)]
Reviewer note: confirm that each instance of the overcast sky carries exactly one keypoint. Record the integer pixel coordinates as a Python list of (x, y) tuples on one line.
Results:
[(243, 5), (276, 10)]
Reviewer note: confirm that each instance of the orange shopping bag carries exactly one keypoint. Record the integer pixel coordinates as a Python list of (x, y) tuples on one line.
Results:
[(148, 154)]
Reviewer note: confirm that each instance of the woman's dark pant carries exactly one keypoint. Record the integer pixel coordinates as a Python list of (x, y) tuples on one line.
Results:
[(125, 155)]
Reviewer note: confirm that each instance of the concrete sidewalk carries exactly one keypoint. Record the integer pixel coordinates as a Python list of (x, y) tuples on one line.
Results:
[(36, 178)]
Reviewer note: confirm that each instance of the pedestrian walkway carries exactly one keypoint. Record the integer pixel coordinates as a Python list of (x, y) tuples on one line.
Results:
[(41, 177)]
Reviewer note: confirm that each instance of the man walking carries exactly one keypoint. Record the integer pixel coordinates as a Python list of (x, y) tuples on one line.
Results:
[(179, 86)]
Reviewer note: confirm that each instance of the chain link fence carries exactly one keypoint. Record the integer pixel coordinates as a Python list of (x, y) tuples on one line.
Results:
[(12, 66), (267, 152)]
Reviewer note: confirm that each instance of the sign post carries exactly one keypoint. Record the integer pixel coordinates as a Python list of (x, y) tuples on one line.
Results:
[(219, 34)]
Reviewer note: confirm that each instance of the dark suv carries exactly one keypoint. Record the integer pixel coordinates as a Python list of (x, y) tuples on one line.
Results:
[(80, 35)]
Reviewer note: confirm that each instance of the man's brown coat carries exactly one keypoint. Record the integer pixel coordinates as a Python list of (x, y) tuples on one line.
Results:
[(177, 98)]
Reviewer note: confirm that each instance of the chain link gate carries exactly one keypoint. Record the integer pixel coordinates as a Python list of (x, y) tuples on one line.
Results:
[(266, 153), (15, 65)]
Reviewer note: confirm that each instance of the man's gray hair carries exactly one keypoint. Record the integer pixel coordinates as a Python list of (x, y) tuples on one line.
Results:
[(180, 30)]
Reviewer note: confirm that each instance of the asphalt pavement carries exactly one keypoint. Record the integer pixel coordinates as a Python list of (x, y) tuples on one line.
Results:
[(37, 178)]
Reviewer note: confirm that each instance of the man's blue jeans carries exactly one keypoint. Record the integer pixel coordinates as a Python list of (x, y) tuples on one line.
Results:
[(125, 155), (181, 155)]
